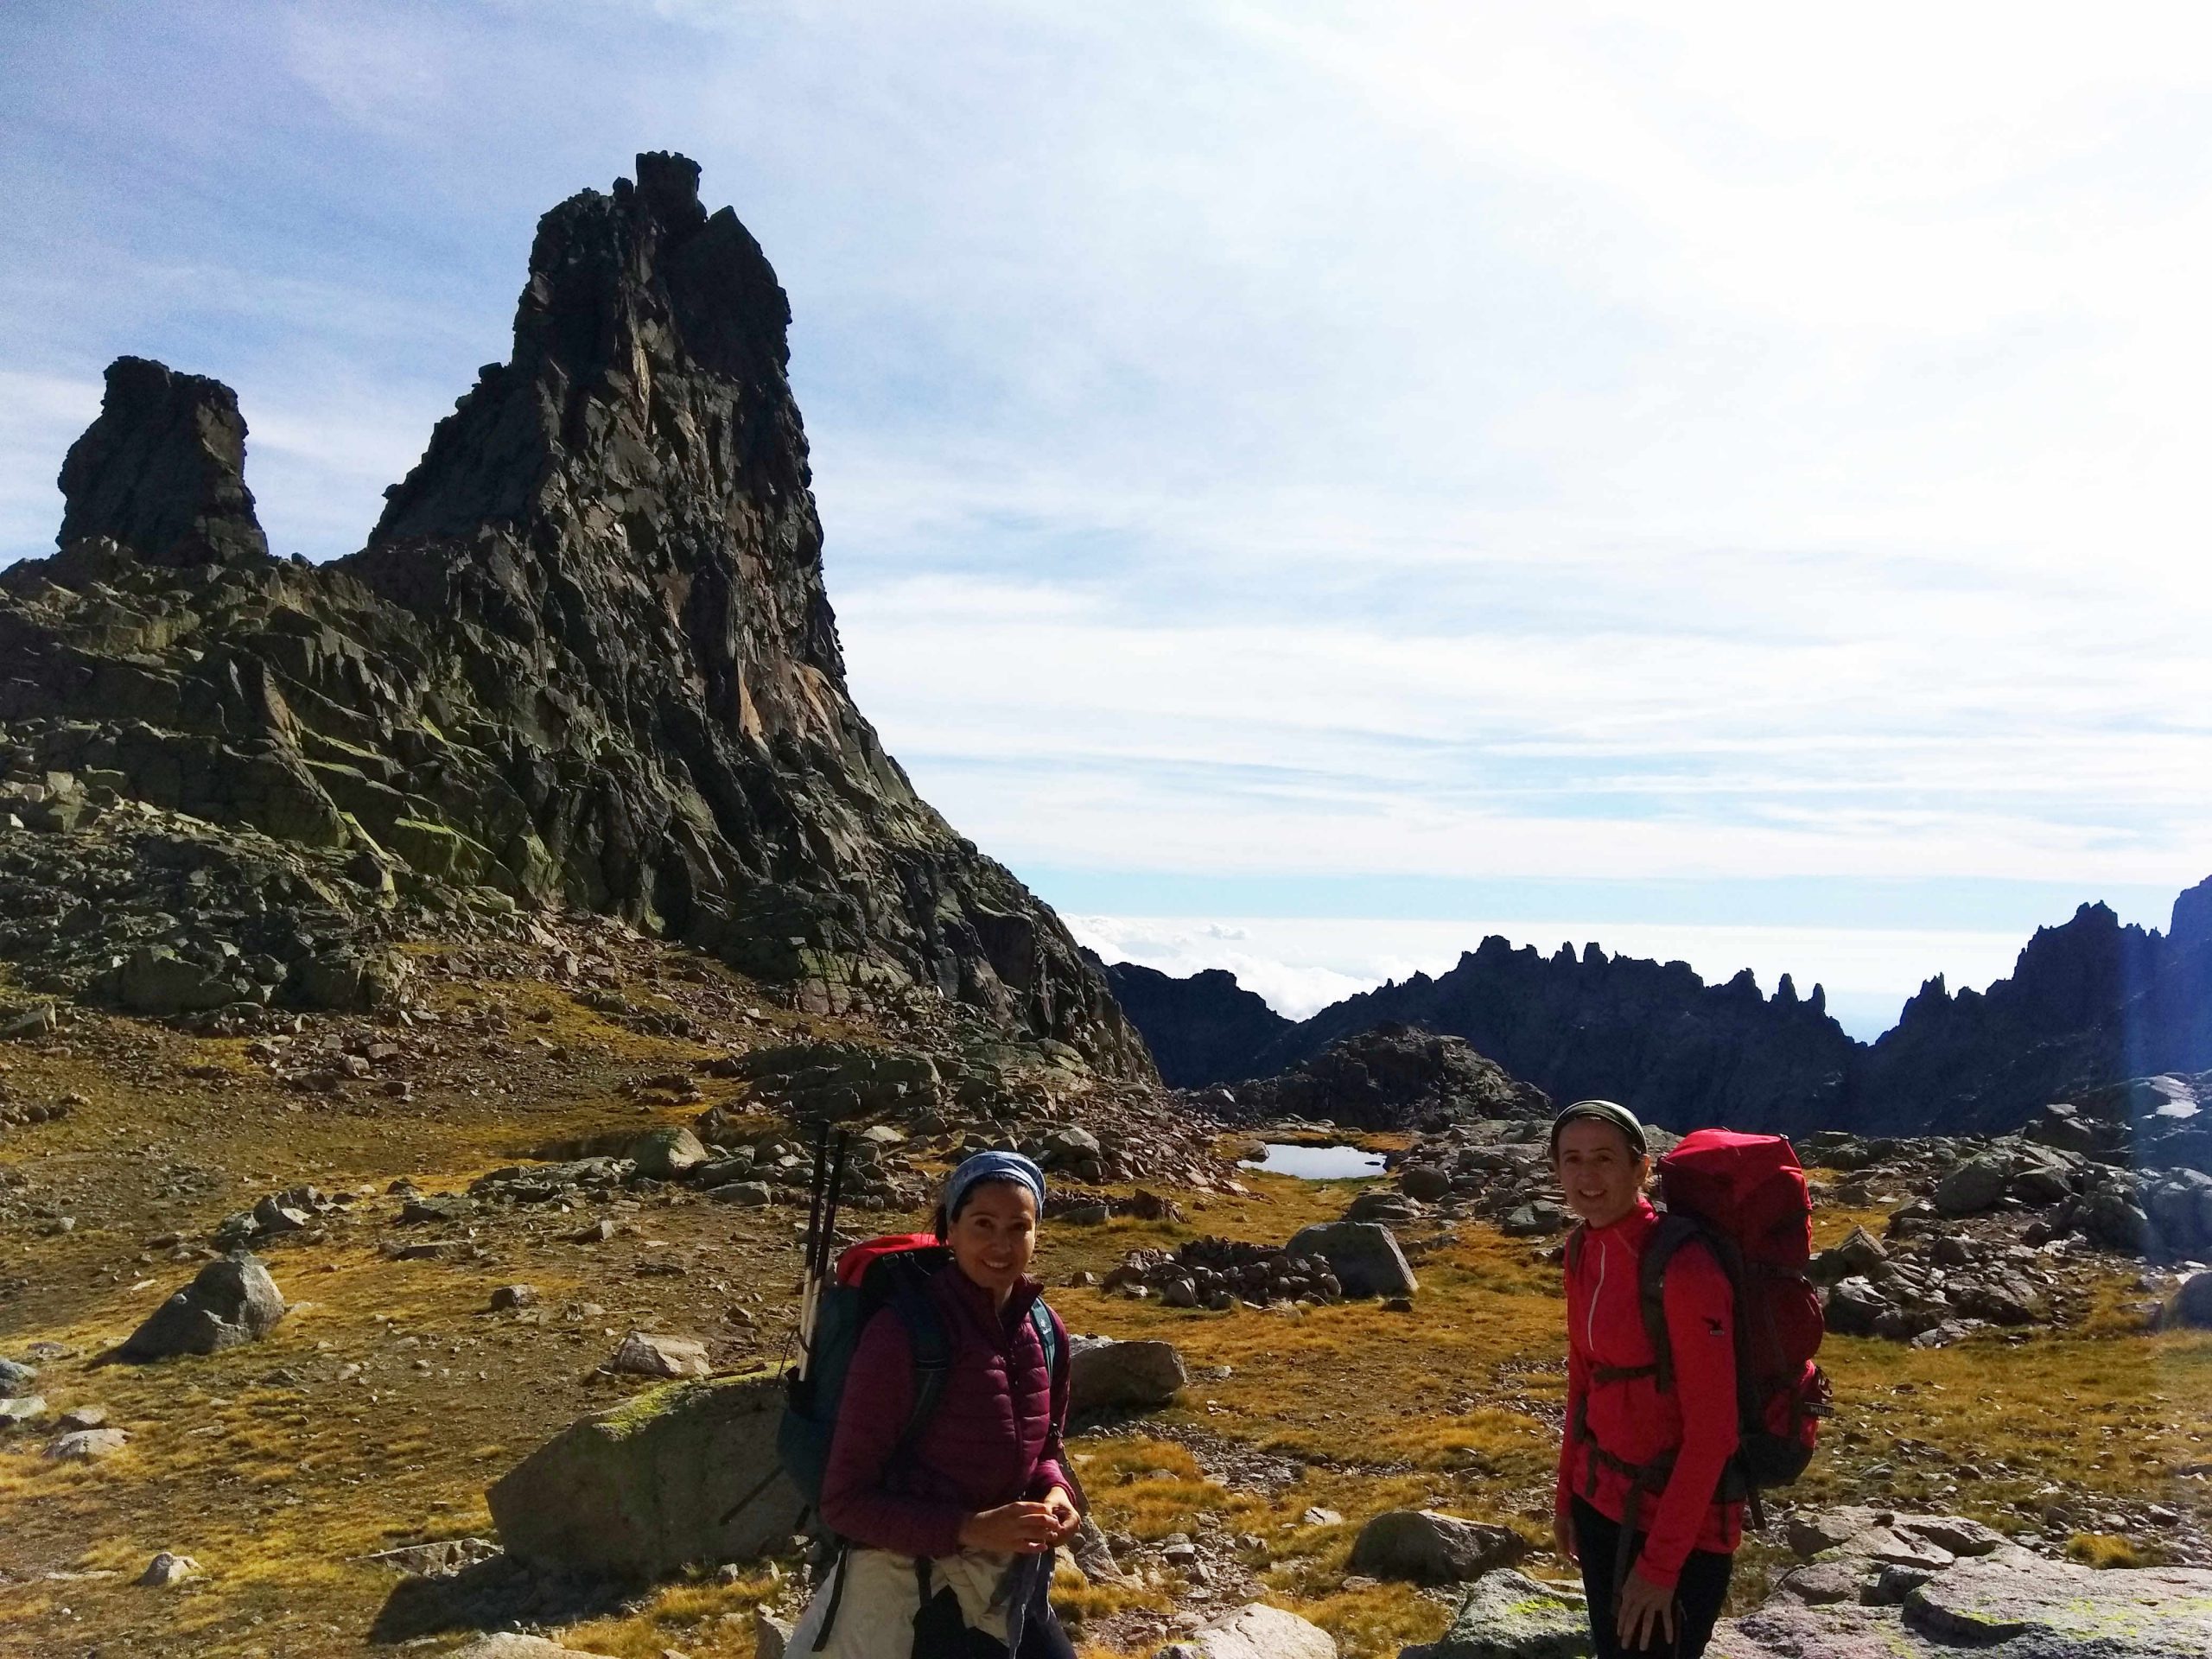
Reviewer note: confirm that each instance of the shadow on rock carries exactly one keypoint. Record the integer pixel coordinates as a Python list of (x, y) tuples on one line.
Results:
[(495, 1594)]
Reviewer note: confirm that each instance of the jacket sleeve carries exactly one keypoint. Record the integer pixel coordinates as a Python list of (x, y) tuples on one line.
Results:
[(879, 1397), (1577, 1378), (1702, 1330), (1052, 1461), (1578, 1389)]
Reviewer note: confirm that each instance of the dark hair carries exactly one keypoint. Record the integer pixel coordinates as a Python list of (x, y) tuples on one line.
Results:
[(941, 1224)]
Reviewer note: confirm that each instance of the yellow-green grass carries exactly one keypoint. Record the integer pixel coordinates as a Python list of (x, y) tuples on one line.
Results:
[(276, 1488)]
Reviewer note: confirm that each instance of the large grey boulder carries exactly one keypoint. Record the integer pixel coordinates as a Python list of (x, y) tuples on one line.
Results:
[(1508, 1615), (506, 1644), (1104, 1373), (16, 1378), (2058, 1607), (1255, 1631), (1972, 1186), (1963, 1590), (650, 1486), (231, 1301), (1433, 1548), (1363, 1255), (641, 1354), (668, 1154)]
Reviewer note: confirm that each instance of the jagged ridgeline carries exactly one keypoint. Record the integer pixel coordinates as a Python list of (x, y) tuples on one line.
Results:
[(586, 659)]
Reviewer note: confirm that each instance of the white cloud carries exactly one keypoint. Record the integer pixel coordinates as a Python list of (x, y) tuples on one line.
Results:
[(1523, 439)]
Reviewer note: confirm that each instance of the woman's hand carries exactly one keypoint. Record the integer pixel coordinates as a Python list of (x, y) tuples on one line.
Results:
[(1563, 1537), (1022, 1529), (1065, 1513), (1643, 1608)]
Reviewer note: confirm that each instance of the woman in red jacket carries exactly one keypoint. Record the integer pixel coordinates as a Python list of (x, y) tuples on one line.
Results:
[(953, 1536), (1638, 1502)]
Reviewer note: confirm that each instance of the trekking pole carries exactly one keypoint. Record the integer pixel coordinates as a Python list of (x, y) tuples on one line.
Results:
[(809, 1279), (842, 1143)]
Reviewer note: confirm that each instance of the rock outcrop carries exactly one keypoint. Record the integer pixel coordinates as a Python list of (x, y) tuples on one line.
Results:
[(586, 659), (2090, 1002), (685, 1475), (1202, 1030), (1389, 1077)]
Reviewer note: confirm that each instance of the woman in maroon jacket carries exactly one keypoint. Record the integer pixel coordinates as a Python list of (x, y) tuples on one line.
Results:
[(982, 1497), (1638, 1460)]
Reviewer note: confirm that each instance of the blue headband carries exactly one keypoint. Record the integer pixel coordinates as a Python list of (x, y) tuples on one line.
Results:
[(993, 1166)]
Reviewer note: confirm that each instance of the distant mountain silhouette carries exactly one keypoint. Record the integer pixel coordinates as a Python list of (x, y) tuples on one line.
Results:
[(2089, 1001)]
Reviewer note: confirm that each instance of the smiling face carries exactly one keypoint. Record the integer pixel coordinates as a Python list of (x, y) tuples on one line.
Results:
[(1599, 1171), (994, 1235)]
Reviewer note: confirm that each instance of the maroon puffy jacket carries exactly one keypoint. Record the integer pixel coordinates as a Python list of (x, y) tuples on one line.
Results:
[(994, 1437)]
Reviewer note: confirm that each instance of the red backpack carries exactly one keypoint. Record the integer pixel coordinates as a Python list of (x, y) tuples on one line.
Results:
[(1744, 1197)]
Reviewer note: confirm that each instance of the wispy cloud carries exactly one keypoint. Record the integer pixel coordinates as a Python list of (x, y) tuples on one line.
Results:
[(1514, 440)]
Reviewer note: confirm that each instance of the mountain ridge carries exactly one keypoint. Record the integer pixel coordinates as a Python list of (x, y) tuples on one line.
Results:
[(2090, 1002)]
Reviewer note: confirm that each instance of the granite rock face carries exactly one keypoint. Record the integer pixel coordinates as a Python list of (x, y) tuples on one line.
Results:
[(1202, 1030), (586, 659), (1391, 1077), (2090, 1002)]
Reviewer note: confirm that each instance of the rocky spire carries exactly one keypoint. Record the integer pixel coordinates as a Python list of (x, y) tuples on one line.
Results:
[(163, 471), (586, 659)]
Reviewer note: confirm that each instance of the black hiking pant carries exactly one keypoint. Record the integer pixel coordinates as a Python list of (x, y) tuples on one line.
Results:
[(941, 1633), (1698, 1592)]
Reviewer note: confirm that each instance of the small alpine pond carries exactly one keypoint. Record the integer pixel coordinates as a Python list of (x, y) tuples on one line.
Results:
[(1316, 1163)]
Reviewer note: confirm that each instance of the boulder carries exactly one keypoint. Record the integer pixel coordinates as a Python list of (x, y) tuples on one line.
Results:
[(1852, 1308), (2058, 1607), (683, 1475), (87, 1444), (1255, 1631), (1433, 1548), (16, 1377), (231, 1302), (509, 1296), (2192, 1303), (1424, 1183), (167, 1568), (1972, 1187), (1104, 1373), (1363, 1255), (643, 1356), (1508, 1615), (18, 1409), (505, 1644), (771, 1637), (668, 1154), (157, 982)]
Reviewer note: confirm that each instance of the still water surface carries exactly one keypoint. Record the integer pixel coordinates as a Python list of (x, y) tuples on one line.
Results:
[(1317, 1163)]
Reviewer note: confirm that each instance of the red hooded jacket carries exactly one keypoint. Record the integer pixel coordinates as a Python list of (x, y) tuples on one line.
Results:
[(994, 1439), (1627, 1421)]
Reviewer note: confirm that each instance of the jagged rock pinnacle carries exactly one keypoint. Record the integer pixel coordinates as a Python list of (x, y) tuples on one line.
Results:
[(163, 471), (587, 658)]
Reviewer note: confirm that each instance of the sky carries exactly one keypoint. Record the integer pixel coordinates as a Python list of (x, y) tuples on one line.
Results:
[(1310, 486)]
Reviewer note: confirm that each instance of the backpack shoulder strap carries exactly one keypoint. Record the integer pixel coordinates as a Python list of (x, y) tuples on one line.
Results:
[(1048, 1339), (1574, 1242), (930, 1345), (1674, 1230)]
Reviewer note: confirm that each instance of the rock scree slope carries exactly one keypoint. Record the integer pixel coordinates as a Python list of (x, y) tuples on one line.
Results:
[(587, 658)]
